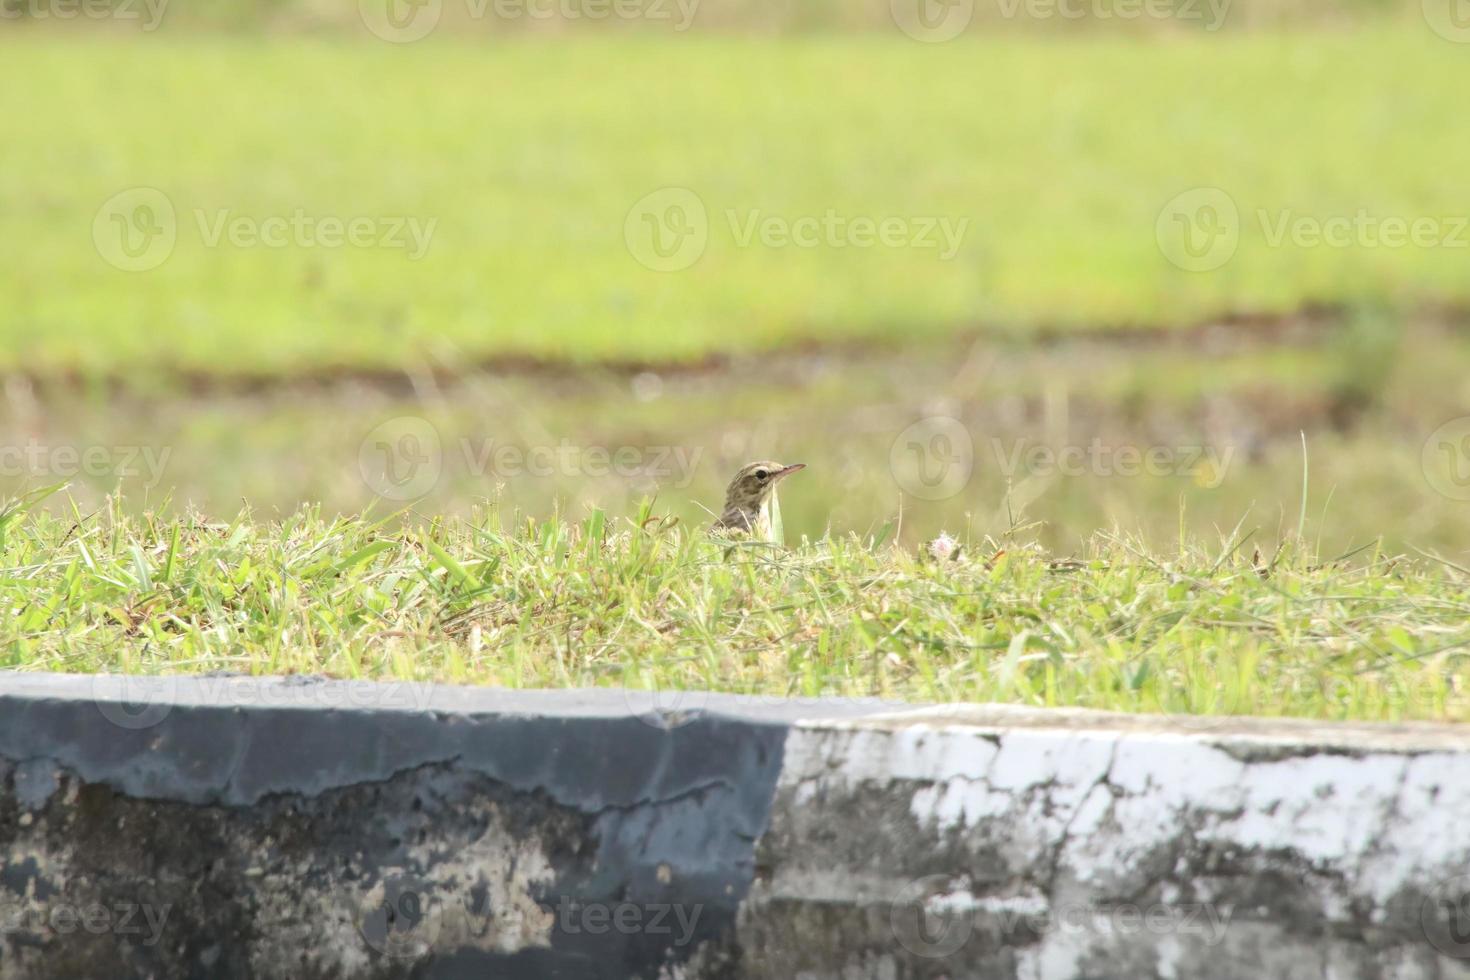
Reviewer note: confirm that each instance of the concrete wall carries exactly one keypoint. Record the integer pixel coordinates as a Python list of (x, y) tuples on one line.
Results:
[(233, 827)]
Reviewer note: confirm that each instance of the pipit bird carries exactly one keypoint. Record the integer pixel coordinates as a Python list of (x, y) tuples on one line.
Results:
[(748, 499)]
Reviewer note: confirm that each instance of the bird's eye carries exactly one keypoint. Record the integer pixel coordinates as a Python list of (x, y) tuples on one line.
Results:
[(761, 474)]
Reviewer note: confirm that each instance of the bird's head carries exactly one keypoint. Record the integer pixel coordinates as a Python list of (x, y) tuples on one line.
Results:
[(752, 486)]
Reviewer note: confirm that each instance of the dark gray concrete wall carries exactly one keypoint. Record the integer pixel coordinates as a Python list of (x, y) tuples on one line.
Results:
[(235, 827), (308, 829)]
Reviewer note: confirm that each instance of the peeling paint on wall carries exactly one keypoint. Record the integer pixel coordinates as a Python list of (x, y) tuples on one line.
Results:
[(1087, 850), (466, 833)]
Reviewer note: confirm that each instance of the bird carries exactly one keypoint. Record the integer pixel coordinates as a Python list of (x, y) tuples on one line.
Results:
[(748, 499)]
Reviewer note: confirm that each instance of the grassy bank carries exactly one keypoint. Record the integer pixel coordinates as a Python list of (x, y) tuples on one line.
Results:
[(521, 165), (1216, 629)]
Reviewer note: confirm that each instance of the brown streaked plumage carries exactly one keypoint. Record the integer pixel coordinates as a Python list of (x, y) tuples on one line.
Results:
[(748, 497)]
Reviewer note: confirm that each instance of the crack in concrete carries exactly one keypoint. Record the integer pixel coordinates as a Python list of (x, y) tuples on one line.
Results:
[(1065, 838)]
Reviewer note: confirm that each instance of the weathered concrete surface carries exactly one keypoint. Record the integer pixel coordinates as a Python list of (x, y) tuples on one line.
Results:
[(1000, 842), (231, 827)]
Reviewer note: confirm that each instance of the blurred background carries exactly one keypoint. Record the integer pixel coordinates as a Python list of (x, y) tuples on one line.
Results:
[(1025, 267)]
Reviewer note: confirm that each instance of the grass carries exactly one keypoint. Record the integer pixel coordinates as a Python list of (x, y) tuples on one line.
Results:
[(1246, 400), (1057, 155), (645, 602), (529, 155)]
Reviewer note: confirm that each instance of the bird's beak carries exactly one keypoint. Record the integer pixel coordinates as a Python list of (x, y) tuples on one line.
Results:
[(786, 471)]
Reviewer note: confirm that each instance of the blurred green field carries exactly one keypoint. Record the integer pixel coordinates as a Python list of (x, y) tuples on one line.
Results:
[(972, 285), (765, 18), (1377, 400), (1059, 157)]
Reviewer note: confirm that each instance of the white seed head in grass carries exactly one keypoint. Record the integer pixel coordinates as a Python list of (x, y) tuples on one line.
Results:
[(943, 548)]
